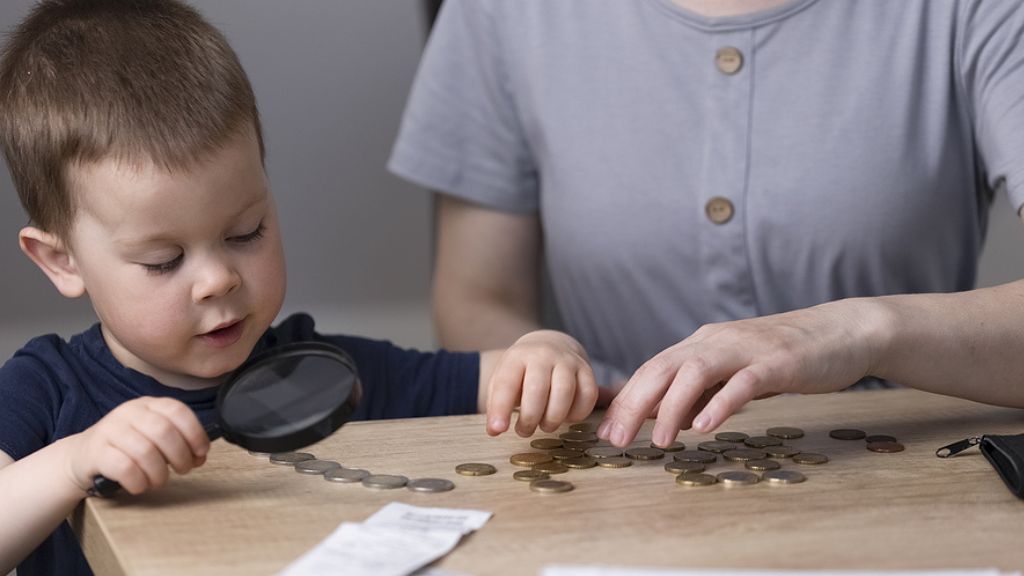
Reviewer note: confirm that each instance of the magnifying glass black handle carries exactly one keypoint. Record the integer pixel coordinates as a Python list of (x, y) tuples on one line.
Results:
[(105, 487)]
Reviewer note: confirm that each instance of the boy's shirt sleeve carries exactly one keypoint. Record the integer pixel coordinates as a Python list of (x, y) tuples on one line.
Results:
[(27, 406), (401, 383)]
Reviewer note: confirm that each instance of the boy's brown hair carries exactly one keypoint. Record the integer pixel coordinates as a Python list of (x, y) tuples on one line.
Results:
[(135, 80)]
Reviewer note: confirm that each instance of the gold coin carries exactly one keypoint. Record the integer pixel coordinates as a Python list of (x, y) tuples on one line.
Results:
[(717, 446), (577, 446), (530, 475), (583, 427), (694, 456), (738, 478), (847, 434), (475, 469), (550, 486), (615, 462), (880, 438), (783, 477), (677, 467), (546, 443), (565, 454), (810, 458), (599, 452), (642, 453), (734, 437), (762, 464), (673, 447), (694, 480), (744, 454), (762, 441), (887, 447), (579, 436), (781, 451), (551, 467), (527, 459), (581, 463), (785, 432)]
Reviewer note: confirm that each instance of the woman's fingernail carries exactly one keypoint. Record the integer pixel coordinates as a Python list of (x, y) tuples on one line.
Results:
[(701, 423), (602, 430), (618, 435)]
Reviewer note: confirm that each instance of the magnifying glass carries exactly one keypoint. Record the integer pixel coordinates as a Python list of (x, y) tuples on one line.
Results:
[(281, 400)]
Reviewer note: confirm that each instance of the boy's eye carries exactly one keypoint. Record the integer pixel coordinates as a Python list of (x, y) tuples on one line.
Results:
[(251, 236), (164, 267)]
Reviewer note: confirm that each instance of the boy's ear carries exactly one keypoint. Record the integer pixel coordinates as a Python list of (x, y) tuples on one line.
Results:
[(53, 258)]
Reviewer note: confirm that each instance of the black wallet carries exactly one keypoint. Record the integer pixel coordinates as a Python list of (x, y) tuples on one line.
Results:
[(1005, 453)]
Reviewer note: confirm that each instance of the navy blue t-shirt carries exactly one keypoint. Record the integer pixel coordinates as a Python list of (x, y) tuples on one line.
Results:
[(51, 389)]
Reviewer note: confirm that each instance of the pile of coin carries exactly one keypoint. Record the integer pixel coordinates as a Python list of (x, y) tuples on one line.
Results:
[(876, 442)]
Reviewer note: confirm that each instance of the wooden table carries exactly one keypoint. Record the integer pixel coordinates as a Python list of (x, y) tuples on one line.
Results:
[(239, 514)]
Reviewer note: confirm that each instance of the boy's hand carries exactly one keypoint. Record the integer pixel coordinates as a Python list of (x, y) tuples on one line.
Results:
[(548, 375), (136, 442)]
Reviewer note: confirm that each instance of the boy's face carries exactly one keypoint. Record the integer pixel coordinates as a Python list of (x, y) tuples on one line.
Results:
[(185, 269)]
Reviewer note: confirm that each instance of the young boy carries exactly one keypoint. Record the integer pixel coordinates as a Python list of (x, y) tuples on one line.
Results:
[(133, 138)]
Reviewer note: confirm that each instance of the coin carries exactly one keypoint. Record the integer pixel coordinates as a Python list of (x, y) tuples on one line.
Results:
[(880, 438), (602, 452), (551, 467), (475, 469), (694, 456), (614, 462), (781, 451), (810, 458), (744, 454), (527, 459), (762, 465), (346, 475), (581, 463), (783, 477), (847, 434), (259, 454), (577, 446), (565, 454), (694, 480), (546, 443), (530, 475), (673, 447), (290, 458), (733, 437), (887, 447), (717, 446), (785, 432), (384, 481), (677, 467), (762, 441), (642, 453), (550, 486), (579, 436), (315, 466), (738, 478), (431, 485), (583, 427)]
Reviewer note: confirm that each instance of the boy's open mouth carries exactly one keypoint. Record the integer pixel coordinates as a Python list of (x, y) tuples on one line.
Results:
[(225, 335)]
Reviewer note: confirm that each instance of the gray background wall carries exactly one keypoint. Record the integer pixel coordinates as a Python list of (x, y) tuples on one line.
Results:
[(331, 77)]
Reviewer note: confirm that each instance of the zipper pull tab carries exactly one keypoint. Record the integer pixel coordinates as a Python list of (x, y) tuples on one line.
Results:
[(957, 447)]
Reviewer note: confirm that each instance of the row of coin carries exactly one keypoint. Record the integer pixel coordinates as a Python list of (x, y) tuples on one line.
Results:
[(306, 463)]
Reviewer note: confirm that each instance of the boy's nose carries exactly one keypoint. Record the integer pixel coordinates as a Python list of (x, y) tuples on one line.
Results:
[(217, 279)]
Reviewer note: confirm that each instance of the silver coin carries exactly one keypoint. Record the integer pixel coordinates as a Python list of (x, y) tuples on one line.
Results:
[(598, 452), (783, 477), (259, 454), (430, 485), (762, 465), (346, 475), (290, 458), (385, 481), (315, 466), (676, 467)]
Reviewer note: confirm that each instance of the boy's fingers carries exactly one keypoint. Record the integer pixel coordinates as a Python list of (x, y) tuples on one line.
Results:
[(536, 387), (166, 437), (503, 395), (586, 395), (144, 454), (185, 420), (118, 466), (563, 390)]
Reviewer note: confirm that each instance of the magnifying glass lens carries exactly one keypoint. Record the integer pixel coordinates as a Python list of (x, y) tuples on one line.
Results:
[(289, 395)]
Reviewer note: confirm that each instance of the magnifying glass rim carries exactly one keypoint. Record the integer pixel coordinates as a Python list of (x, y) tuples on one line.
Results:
[(310, 434)]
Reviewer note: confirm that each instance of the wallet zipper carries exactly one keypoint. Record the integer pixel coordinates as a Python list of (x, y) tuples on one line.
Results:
[(958, 447)]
